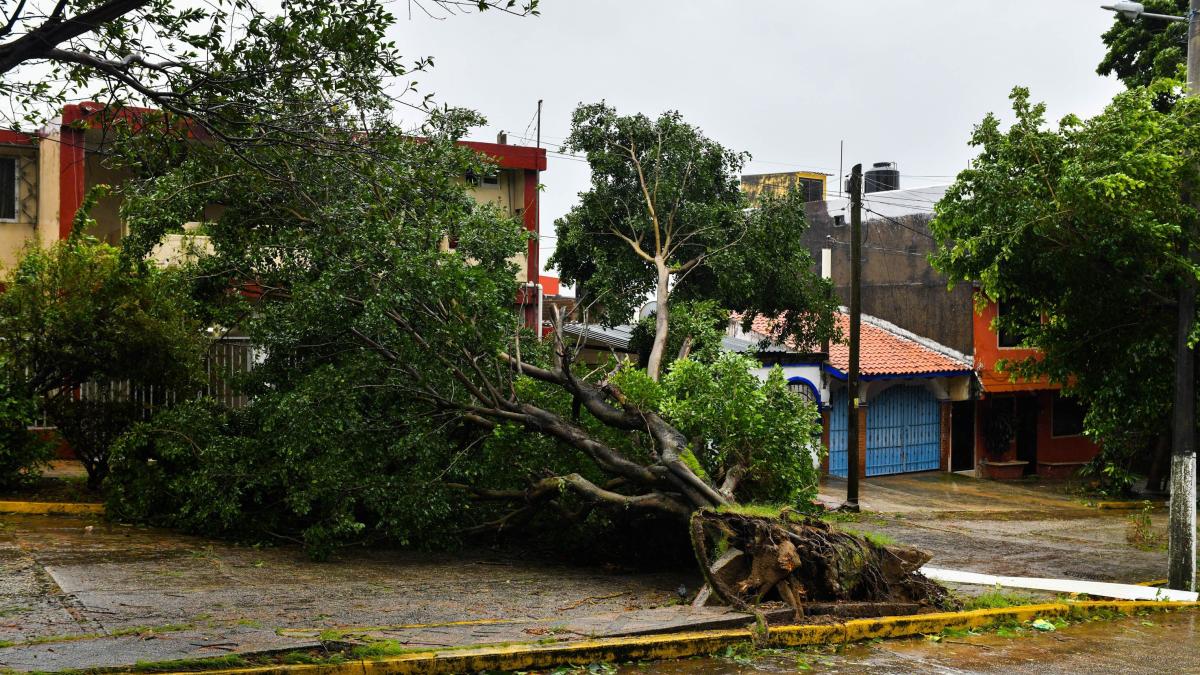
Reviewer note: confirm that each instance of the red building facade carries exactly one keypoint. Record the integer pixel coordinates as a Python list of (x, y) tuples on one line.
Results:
[(1022, 427)]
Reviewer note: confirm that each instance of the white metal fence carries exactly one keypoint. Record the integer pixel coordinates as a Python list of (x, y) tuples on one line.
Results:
[(227, 360)]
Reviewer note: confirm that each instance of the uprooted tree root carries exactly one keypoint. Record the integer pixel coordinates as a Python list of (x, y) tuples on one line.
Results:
[(802, 560)]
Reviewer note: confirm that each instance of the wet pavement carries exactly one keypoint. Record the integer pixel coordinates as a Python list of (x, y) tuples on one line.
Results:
[(1006, 529), (77, 592), (66, 583), (1152, 644)]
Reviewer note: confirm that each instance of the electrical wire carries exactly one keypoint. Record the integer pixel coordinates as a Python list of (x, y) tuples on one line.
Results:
[(880, 248), (799, 166), (896, 222), (913, 207)]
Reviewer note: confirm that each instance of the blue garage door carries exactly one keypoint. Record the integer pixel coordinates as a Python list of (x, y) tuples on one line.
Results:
[(837, 434), (903, 432)]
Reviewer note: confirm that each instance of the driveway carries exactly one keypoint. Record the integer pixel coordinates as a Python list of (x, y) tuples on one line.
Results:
[(1025, 529)]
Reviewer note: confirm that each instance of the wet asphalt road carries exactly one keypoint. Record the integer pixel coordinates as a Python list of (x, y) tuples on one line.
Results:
[(1153, 644)]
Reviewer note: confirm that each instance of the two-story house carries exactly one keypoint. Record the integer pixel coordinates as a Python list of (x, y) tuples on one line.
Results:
[(1023, 426), (906, 302), (44, 177)]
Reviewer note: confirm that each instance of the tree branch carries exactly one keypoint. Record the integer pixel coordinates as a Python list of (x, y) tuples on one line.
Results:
[(41, 41)]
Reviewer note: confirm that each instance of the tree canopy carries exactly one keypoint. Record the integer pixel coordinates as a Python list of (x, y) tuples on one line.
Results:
[(79, 314), (665, 215), (226, 68), (394, 359), (1144, 49), (1076, 230)]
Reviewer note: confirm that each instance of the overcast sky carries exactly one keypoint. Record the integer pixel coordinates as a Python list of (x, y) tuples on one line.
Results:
[(897, 80)]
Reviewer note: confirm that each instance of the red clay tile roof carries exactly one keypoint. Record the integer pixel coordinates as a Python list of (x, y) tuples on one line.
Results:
[(884, 350)]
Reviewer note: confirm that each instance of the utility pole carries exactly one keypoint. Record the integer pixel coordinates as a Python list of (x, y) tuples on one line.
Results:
[(1181, 554), (537, 232), (852, 429)]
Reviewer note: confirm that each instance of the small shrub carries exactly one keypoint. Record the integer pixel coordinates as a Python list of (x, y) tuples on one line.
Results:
[(22, 453), (1140, 531)]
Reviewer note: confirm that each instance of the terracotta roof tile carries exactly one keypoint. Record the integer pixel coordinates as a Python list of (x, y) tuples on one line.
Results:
[(884, 350)]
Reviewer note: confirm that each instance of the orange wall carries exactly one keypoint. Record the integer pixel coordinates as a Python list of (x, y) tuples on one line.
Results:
[(1062, 449), (1049, 448), (988, 351)]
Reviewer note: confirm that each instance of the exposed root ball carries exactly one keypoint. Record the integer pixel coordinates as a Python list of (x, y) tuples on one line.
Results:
[(804, 560)]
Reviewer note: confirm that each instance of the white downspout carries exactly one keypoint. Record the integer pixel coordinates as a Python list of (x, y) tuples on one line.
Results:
[(539, 311)]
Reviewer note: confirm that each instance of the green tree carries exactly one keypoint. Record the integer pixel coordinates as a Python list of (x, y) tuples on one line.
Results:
[(665, 216), (229, 68), (79, 315), (411, 356), (1143, 50), (1076, 229)]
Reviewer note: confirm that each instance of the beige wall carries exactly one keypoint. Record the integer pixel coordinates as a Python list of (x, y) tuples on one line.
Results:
[(108, 227), (509, 196), (49, 167), (14, 235)]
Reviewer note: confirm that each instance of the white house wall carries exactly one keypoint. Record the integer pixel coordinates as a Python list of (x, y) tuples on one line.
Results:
[(810, 372)]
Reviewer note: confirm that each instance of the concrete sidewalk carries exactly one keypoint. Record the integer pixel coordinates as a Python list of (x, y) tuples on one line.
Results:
[(1026, 529), (941, 494), (79, 592)]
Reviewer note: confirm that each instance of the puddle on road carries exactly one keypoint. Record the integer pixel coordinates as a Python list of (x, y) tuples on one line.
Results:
[(1156, 643)]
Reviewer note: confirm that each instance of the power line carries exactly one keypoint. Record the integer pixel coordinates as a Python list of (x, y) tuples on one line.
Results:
[(908, 196), (907, 227), (914, 207), (881, 248)]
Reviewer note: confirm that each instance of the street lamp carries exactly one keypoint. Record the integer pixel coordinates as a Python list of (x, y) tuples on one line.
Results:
[(1135, 10)]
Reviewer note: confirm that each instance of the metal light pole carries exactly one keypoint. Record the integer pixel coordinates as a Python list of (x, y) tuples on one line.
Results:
[(1181, 552)]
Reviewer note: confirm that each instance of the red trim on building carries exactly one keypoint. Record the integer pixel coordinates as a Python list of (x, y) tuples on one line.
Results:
[(946, 410), (511, 156), (10, 137), (71, 177), (533, 264), (530, 214), (550, 285)]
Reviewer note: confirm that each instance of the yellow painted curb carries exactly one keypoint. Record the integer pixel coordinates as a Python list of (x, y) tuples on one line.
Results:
[(680, 645), (46, 508), (1153, 582)]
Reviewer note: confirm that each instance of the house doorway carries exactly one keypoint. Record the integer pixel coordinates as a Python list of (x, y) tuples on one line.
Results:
[(1026, 431), (962, 436)]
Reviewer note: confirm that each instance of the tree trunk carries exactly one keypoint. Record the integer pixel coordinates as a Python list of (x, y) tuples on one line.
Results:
[(1156, 477), (654, 366)]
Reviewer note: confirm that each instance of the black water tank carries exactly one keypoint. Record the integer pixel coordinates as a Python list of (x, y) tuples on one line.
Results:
[(881, 176)]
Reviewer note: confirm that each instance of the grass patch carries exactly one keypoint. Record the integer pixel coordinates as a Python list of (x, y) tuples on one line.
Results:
[(120, 632), (209, 663), (841, 516), (998, 599), (873, 537), (754, 510), (383, 648)]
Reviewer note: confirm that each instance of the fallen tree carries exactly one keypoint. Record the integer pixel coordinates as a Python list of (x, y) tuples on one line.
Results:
[(397, 365), (350, 273)]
